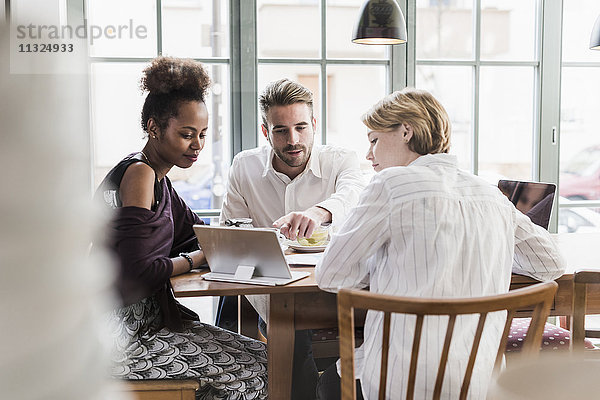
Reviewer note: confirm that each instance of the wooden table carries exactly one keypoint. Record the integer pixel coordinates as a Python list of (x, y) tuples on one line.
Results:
[(302, 305)]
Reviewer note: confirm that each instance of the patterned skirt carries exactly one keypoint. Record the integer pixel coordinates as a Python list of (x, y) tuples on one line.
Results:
[(227, 365)]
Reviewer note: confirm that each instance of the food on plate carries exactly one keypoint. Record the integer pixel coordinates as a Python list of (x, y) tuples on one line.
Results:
[(319, 237)]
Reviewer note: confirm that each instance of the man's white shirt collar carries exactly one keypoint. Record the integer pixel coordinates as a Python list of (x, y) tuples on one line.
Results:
[(313, 165)]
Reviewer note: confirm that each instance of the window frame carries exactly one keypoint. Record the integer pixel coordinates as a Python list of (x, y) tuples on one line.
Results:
[(582, 65), (245, 71), (546, 95), (401, 64)]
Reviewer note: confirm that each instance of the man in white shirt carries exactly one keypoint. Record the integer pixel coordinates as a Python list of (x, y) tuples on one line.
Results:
[(425, 228), (291, 184), (294, 185)]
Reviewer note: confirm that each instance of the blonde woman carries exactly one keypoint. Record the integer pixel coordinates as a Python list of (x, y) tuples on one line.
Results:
[(425, 228)]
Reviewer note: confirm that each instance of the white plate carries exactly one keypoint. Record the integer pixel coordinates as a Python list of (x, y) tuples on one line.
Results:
[(306, 249)]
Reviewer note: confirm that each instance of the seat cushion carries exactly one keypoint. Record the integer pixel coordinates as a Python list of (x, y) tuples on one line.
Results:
[(554, 337)]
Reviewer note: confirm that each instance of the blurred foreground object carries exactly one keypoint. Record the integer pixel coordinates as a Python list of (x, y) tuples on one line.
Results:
[(595, 36), (551, 376), (52, 293)]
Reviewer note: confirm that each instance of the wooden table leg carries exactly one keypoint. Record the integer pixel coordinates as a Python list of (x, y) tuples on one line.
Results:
[(247, 318), (280, 345)]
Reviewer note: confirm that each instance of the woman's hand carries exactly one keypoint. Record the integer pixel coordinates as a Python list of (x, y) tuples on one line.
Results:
[(181, 265)]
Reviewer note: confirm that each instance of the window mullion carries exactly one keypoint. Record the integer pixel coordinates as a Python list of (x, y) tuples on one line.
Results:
[(550, 77), (323, 63), (537, 95), (397, 68), (159, 27), (243, 55), (476, 80), (411, 53)]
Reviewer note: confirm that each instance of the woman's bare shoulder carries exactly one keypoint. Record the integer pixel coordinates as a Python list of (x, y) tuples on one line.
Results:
[(137, 186)]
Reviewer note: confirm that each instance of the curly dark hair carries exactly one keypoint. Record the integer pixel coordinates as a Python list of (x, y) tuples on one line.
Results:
[(170, 82)]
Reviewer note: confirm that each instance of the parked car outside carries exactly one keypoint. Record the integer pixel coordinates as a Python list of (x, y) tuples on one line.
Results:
[(580, 177), (197, 195), (577, 219)]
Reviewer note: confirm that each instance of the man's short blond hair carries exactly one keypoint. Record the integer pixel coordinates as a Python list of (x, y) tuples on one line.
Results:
[(284, 92), (420, 110)]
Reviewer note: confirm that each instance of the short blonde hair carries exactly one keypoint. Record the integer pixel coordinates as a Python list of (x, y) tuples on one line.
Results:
[(420, 110), (284, 92)]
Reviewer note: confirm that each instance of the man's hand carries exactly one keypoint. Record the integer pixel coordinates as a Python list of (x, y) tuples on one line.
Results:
[(302, 224)]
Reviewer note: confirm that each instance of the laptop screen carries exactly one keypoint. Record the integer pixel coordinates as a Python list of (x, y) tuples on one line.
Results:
[(533, 199)]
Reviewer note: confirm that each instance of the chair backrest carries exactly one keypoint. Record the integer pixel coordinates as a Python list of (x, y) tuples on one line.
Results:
[(538, 296), (581, 280)]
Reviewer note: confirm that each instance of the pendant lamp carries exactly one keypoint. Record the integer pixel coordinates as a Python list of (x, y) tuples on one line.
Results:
[(380, 22), (595, 38)]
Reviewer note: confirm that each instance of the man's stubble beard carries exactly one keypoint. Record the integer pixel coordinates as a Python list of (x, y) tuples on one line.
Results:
[(293, 162), (281, 154)]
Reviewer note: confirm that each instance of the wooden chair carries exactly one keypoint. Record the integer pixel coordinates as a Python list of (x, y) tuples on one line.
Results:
[(540, 296), (581, 280), (159, 389)]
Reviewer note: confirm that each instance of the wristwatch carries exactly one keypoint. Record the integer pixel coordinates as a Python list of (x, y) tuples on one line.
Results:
[(188, 258)]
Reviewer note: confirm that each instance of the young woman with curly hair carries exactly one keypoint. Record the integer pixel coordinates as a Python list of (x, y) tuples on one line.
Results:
[(152, 237)]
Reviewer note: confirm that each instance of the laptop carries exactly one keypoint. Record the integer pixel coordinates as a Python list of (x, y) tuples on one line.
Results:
[(245, 255), (533, 199)]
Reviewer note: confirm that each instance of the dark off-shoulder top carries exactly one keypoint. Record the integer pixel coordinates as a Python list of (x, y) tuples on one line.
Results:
[(145, 240)]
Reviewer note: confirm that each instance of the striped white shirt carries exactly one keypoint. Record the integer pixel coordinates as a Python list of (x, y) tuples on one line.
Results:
[(332, 180), (433, 230)]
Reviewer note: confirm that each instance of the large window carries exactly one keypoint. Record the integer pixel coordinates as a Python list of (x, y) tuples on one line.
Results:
[(480, 58), (580, 134), (182, 28), (495, 64), (313, 49), (303, 48)]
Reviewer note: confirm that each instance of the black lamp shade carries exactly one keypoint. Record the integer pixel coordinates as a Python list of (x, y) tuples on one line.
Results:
[(380, 22), (595, 38)]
